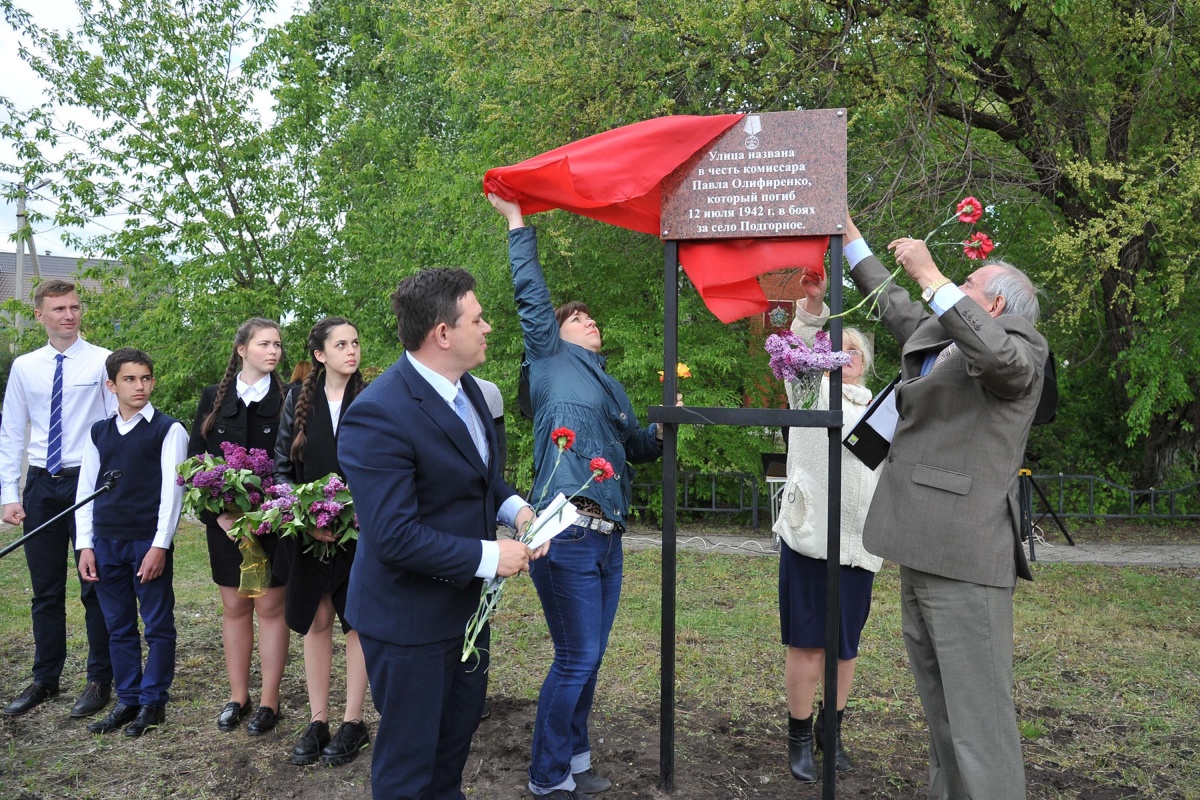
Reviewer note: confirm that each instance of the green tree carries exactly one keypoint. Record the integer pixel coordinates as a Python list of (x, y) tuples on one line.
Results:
[(221, 223)]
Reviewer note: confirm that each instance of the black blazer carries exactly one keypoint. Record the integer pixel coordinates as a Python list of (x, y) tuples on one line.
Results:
[(253, 426), (308, 578), (320, 443)]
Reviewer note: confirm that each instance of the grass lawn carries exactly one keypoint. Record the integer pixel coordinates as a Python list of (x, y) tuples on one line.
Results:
[(1107, 689)]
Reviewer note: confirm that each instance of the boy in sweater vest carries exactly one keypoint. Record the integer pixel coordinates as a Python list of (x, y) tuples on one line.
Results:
[(124, 540)]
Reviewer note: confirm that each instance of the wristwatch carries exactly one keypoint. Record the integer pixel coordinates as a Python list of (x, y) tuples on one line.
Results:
[(929, 291)]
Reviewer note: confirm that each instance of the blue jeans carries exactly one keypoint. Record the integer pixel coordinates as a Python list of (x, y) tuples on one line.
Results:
[(579, 583)]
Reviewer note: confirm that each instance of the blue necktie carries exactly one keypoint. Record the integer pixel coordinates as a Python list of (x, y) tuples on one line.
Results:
[(463, 406), (54, 446)]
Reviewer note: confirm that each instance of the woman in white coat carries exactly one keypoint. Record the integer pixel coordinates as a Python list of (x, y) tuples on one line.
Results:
[(802, 528)]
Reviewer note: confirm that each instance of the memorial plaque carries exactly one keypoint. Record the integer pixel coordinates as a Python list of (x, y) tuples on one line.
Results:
[(777, 174)]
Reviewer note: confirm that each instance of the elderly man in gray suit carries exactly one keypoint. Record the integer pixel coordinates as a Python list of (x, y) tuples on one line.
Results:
[(946, 508)]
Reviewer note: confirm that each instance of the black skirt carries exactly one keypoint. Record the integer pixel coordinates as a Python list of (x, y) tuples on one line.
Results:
[(308, 578), (226, 559), (802, 602)]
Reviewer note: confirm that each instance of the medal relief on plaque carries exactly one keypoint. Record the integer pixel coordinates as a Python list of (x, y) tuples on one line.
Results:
[(777, 174)]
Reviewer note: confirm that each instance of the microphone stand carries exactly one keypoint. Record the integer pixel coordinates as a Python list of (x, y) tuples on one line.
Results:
[(110, 480)]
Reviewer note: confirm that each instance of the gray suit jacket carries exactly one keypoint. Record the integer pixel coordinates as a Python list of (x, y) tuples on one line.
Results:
[(947, 497)]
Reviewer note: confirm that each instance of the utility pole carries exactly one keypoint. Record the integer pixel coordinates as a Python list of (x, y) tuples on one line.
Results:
[(24, 235)]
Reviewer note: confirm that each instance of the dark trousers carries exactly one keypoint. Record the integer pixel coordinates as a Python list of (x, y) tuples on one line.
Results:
[(44, 497), (121, 593), (429, 705)]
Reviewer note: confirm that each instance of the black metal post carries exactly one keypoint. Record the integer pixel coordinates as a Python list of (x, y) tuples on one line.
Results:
[(833, 552), (666, 742), (110, 480), (671, 417)]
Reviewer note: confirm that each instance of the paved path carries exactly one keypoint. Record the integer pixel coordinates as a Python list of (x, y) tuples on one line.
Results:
[(1114, 555)]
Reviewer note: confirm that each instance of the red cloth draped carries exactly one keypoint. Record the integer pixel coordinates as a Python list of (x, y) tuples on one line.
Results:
[(616, 177)]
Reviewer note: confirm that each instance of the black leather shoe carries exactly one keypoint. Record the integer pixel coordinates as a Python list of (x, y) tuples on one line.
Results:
[(590, 782), (800, 749), (487, 711), (345, 746), (149, 718), (842, 762), (263, 721), (563, 794), (308, 746), (34, 695), (232, 714), (95, 697), (120, 716)]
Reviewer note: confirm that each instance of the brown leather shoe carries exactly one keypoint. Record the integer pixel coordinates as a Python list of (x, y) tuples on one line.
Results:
[(95, 697)]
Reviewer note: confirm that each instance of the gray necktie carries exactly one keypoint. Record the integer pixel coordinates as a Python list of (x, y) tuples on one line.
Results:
[(463, 406)]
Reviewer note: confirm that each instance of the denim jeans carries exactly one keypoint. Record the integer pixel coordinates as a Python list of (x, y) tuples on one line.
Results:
[(579, 583)]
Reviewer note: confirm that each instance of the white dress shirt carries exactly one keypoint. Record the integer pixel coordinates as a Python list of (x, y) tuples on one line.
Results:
[(170, 494), (254, 392), (507, 514), (27, 402)]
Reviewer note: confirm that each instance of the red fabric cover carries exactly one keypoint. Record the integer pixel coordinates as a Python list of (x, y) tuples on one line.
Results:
[(616, 177), (725, 271)]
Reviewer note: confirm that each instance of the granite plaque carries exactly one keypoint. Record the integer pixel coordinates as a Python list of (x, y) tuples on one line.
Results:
[(771, 175)]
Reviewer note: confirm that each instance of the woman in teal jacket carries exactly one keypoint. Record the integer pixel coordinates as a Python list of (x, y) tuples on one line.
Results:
[(579, 580)]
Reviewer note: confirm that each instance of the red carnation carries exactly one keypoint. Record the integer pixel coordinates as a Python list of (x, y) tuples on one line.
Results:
[(969, 211), (563, 438), (601, 469), (978, 245)]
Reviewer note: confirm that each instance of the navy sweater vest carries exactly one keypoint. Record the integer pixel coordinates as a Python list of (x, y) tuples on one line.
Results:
[(130, 510)]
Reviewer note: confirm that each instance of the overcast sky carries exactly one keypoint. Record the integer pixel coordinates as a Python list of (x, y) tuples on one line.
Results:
[(19, 84)]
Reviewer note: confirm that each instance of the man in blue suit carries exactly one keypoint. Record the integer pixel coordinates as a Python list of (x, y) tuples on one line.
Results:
[(418, 448)]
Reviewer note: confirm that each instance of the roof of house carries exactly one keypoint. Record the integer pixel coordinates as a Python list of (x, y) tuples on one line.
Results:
[(51, 267)]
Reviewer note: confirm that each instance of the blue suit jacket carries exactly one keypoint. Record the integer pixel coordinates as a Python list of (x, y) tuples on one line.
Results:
[(424, 499)]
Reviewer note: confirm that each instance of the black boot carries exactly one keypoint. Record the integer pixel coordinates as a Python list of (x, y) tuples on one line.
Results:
[(800, 749), (841, 760)]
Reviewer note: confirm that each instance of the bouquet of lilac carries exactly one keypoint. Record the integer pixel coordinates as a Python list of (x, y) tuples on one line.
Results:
[(233, 483), (299, 510), (792, 359)]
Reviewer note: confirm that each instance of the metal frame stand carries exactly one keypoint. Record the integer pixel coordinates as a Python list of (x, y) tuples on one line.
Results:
[(1026, 486), (671, 417)]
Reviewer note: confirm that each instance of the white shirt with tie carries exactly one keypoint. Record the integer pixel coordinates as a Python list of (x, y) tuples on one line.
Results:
[(27, 403), (490, 559)]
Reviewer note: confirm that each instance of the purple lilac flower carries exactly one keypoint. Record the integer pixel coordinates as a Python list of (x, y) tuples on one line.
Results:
[(334, 486), (263, 529), (236, 456), (228, 498), (325, 519), (279, 489), (286, 517), (214, 478), (254, 497), (791, 357), (260, 463)]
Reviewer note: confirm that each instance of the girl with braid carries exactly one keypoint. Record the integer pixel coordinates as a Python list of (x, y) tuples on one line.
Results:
[(306, 451), (244, 409)]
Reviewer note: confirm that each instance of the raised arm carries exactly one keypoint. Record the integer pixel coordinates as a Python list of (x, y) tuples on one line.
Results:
[(539, 328)]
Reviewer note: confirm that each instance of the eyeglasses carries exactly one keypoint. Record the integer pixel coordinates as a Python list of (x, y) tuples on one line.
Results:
[(853, 353)]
